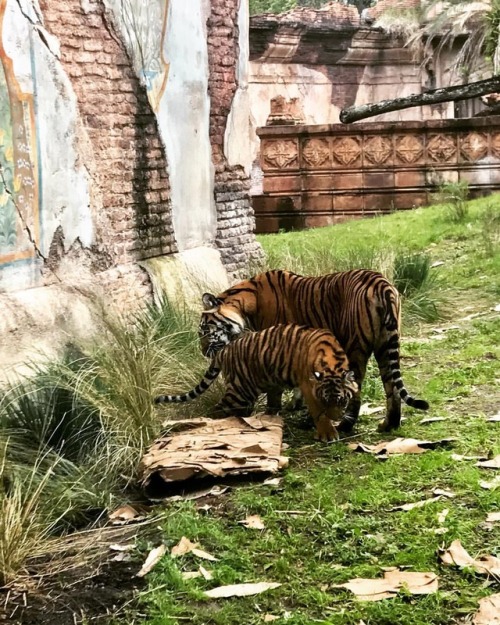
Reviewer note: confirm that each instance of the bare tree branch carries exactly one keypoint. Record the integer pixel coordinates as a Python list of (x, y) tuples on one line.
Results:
[(447, 94)]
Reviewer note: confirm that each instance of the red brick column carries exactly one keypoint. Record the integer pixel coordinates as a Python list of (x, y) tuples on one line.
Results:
[(126, 159), (235, 218)]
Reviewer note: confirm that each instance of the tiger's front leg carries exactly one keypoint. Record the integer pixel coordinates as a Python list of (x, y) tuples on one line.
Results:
[(325, 430), (351, 414)]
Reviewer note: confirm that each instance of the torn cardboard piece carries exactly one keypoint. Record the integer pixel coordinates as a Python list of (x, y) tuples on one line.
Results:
[(215, 448)]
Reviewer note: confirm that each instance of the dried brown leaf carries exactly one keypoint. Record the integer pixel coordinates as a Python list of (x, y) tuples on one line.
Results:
[(494, 463), (489, 611), (190, 575), (432, 420), (254, 522), (240, 590), (269, 618), (492, 484), (183, 546), (460, 457), (458, 556), (273, 481), (208, 575), (443, 493), (366, 409), (442, 516), (389, 586), (125, 514), (494, 419), (203, 554), (154, 556)]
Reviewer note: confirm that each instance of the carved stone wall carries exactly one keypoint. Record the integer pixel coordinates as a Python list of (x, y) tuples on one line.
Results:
[(318, 175)]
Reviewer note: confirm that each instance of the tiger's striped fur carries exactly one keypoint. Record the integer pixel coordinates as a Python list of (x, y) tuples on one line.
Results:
[(360, 307), (282, 356)]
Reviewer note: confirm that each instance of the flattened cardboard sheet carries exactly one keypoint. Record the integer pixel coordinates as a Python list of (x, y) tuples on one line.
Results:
[(200, 448)]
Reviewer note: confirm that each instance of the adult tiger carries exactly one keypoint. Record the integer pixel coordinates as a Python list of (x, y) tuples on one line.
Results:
[(361, 308), (282, 356)]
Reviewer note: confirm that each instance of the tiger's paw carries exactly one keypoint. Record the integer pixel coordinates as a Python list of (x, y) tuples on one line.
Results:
[(326, 431), (387, 425)]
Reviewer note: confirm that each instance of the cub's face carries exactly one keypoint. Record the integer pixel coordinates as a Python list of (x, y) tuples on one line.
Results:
[(219, 325), (335, 389)]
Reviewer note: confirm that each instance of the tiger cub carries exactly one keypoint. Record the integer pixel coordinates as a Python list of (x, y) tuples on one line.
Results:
[(282, 356)]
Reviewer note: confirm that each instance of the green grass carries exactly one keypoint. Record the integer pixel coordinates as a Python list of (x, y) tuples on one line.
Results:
[(347, 528)]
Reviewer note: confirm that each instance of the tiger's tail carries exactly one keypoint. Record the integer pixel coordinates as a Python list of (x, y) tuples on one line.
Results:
[(208, 379), (393, 353)]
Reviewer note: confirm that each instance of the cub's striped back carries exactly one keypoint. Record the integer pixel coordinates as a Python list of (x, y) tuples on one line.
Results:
[(283, 356)]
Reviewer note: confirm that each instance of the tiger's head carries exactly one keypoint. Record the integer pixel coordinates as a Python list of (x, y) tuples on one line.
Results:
[(334, 388), (220, 324)]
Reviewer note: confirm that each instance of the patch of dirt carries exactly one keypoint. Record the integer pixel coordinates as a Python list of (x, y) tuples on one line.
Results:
[(74, 598)]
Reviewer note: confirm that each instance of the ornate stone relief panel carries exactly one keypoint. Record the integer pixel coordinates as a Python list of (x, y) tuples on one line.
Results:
[(346, 151), (316, 153), (409, 149), (473, 146), (442, 148), (280, 154), (377, 150)]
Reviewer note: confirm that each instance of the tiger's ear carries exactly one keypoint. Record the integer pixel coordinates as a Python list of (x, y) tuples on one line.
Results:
[(210, 301), (349, 376)]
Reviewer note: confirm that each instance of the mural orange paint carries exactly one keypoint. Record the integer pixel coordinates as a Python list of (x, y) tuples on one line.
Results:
[(19, 195)]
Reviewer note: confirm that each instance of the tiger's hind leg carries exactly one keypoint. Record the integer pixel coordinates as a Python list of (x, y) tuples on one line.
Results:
[(274, 401), (351, 415), (392, 418), (233, 403)]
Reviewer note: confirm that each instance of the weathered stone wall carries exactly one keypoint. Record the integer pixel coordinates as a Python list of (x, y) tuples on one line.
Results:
[(123, 146), (318, 175), (333, 57), (124, 155), (235, 220)]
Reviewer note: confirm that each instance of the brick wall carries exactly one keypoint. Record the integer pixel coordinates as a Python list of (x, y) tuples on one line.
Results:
[(122, 149), (235, 217)]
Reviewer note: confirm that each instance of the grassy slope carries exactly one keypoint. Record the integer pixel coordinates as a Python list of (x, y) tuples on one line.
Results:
[(347, 528)]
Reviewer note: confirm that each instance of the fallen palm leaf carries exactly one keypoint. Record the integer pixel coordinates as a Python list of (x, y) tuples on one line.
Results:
[(458, 556), (400, 446), (253, 522), (489, 611), (417, 504), (389, 585), (154, 556), (186, 546), (240, 590)]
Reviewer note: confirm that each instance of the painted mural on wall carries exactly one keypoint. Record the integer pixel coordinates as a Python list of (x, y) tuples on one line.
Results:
[(144, 26), (19, 208)]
